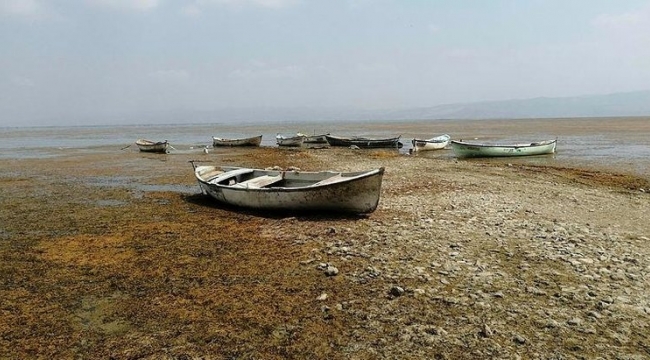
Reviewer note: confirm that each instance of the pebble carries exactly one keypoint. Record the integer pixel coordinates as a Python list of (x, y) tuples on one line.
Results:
[(396, 291), (519, 339), (486, 332), (331, 271), (574, 321)]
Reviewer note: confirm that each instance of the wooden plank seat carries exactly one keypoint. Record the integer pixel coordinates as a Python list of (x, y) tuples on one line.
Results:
[(259, 182), (229, 175)]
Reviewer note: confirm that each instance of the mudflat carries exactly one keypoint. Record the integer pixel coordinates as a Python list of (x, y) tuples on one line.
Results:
[(109, 254)]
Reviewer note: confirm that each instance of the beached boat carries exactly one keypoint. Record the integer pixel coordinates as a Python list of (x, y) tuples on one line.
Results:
[(293, 141), (251, 141), (435, 143), (314, 139), (464, 149), (354, 192), (152, 146), (364, 143)]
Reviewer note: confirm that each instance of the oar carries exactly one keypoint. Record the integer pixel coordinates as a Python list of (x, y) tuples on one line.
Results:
[(128, 146)]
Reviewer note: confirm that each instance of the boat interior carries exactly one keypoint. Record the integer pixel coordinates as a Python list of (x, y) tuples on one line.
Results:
[(255, 179)]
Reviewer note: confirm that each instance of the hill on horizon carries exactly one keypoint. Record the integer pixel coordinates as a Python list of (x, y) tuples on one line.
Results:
[(635, 103)]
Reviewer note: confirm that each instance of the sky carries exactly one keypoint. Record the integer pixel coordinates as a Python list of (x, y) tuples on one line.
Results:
[(77, 61)]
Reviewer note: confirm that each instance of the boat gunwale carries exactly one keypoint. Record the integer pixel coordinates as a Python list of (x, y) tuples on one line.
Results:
[(344, 180), (511, 146), (237, 139)]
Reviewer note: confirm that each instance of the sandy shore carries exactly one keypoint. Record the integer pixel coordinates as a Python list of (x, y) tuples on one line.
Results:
[(109, 254)]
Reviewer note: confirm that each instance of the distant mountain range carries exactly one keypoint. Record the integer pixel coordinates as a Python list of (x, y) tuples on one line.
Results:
[(611, 105), (619, 104)]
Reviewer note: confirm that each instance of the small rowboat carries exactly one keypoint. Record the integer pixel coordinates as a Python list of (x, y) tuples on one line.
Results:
[(364, 143), (314, 139), (251, 141), (353, 192), (152, 146), (293, 141), (463, 149), (435, 143)]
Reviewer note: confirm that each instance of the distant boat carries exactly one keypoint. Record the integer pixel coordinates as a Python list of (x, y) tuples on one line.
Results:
[(464, 149), (315, 141), (435, 143), (354, 192), (364, 143), (250, 141), (152, 146), (292, 141)]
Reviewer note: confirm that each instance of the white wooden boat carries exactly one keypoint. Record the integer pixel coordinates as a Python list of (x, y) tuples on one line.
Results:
[(293, 141), (435, 143), (250, 141), (354, 192), (464, 149), (152, 146)]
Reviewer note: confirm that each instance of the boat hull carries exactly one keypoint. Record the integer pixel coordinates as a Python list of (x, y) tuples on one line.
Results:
[(364, 143), (467, 150), (251, 141), (358, 194), (152, 146)]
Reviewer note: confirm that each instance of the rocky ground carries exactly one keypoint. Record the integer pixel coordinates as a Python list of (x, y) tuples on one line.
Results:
[(121, 257)]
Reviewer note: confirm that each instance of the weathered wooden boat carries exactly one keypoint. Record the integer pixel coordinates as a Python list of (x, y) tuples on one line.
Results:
[(152, 146), (314, 139), (435, 143), (250, 141), (293, 141), (464, 149), (364, 143), (353, 192)]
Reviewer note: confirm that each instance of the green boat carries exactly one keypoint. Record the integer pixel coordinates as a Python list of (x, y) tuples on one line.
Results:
[(466, 150)]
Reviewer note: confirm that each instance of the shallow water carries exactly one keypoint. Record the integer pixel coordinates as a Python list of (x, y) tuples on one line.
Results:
[(620, 144)]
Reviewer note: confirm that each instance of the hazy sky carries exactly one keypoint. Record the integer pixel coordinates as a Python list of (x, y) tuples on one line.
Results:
[(64, 59)]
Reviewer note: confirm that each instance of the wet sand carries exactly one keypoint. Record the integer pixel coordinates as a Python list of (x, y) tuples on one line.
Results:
[(107, 253)]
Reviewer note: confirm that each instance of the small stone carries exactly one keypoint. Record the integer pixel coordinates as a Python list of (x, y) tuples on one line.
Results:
[(519, 339), (419, 292), (594, 314), (396, 291), (575, 321), (486, 332), (322, 297), (552, 324), (498, 294), (331, 271), (617, 277)]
